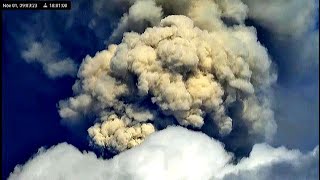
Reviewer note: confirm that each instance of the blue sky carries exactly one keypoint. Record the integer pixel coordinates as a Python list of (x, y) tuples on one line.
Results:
[(30, 118)]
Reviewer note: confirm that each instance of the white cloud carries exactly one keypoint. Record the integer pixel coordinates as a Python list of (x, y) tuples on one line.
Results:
[(280, 163), (174, 153)]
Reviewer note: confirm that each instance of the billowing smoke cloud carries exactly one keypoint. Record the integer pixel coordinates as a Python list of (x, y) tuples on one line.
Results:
[(141, 15), (291, 32), (188, 73), (174, 153), (189, 63)]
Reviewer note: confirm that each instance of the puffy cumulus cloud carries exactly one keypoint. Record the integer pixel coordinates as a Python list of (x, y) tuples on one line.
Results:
[(45, 53), (174, 153), (184, 72)]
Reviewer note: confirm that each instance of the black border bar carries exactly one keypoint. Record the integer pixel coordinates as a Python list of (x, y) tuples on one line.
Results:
[(35, 5)]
